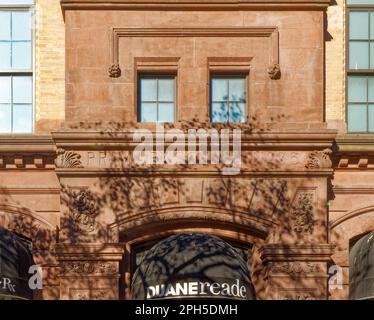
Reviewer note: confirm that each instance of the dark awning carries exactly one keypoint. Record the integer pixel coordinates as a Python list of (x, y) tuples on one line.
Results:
[(361, 268), (15, 261), (192, 266)]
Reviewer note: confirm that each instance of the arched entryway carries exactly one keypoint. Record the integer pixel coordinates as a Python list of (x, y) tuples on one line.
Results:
[(192, 265), (15, 262), (361, 268)]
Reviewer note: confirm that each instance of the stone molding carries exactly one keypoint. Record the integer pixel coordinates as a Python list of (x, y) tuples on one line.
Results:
[(304, 252), (267, 32), (130, 226), (89, 252), (193, 4)]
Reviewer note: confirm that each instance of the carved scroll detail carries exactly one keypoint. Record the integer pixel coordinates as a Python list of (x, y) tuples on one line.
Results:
[(302, 213)]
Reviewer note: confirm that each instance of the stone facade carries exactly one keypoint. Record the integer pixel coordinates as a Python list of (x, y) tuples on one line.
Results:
[(75, 191)]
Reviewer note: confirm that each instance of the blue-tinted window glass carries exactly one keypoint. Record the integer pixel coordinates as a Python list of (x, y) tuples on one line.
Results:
[(16, 112), (359, 55), (360, 2), (359, 25), (16, 92), (228, 99), (15, 40), (5, 26), (357, 117), (157, 99), (5, 118), (11, 2), (22, 118), (360, 113)]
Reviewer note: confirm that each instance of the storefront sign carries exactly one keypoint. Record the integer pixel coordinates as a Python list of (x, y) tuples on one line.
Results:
[(198, 289)]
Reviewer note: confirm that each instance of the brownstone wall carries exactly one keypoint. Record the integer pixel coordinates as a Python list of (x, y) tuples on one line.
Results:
[(296, 97)]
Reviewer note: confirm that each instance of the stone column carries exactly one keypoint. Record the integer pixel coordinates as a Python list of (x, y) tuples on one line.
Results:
[(89, 271), (296, 272)]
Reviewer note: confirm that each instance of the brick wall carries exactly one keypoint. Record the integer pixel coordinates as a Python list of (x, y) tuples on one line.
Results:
[(49, 66), (335, 66)]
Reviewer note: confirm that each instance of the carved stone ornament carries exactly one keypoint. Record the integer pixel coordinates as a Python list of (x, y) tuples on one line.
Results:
[(114, 71), (68, 159), (90, 294), (274, 72), (88, 268), (85, 211), (319, 159), (296, 268), (299, 296), (302, 213)]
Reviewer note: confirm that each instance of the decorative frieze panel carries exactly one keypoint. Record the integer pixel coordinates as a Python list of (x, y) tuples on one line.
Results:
[(84, 268), (251, 161), (91, 294), (296, 268)]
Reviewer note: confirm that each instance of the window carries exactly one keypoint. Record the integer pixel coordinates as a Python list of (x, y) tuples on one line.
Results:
[(228, 99), (360, 78), (16, 67), (156, 99)]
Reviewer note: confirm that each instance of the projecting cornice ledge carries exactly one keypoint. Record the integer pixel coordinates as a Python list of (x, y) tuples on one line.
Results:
[(355, 143), (192, 4)]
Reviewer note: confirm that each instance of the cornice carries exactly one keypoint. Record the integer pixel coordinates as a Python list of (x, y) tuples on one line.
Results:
[(193, 4), (355, 143), (26, 144), (275, 140)]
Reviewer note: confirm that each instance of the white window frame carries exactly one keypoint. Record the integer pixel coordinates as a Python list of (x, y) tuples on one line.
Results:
[(31, 72)]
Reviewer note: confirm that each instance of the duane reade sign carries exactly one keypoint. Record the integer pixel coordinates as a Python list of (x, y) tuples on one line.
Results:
[(198, 289)]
